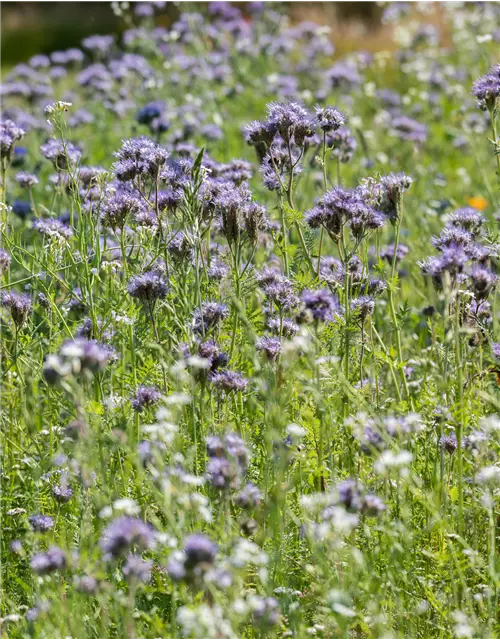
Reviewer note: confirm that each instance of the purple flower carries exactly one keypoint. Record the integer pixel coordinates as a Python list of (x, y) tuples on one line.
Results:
[(62, 154), (194, 560), (392, 188), (86, 356), (270, 346), (86, 584), (291, 120), (495, 350), (19, 305), (139, 157), (409, 129), (323, 305), (229, 381), (217, 270), (286, 326), (279, 290), (199, 550), (342, 144), (329, 119), (135, 568), (372, 505), (486, 89), (26, 180), (228, 461), (52, 228), (340, 206), (99, 43), (126, 532), (21, 208), (150, 111), (350, 495), (363, 307), (266, 611), (448, 443), (236, 448), (62, 492), (53, 560), (41, 523), (452, 236), (145, 397), (5, 260), (388, 252), (482, 280), (148, 287), (343, 75), (208, 316), (467, 218), (249, 497), (211, 351), (10, 133), (118, 207)]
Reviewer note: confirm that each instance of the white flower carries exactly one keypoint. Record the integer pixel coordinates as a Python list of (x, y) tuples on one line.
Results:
[(488, 475), (399, 461), (246, 552), (296, 430), (58, 107), (127, 505)]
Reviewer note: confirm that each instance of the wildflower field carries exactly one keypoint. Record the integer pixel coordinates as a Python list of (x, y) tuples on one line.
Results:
[(250, 341)]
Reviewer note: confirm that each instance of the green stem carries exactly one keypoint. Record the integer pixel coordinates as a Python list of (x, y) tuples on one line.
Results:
[(493, 118), (459, 431)]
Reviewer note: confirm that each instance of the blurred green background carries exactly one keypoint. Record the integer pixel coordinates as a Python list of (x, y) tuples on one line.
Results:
[(28, 28)]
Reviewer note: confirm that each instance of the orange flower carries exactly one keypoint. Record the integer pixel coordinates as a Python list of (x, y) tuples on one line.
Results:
[(478, 202)]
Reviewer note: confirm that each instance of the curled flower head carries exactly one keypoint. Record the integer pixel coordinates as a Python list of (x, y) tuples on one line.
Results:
[(229, 381), (10, 133), (41, 523), (486, 89), (363, 307), (118, 207), (145, 397), (148, 287), (208, 316), (19, 305), (61, 154), (5, 260), (291, 121), (323, 305), (139, 157), (270, 346), (329, 118), (26, 180), (52, 228), (467, 218)]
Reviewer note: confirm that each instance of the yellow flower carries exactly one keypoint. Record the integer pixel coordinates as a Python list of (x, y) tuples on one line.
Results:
[(478, 202)]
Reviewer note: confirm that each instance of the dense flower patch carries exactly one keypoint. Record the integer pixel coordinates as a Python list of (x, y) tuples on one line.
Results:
[(250, 329)]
